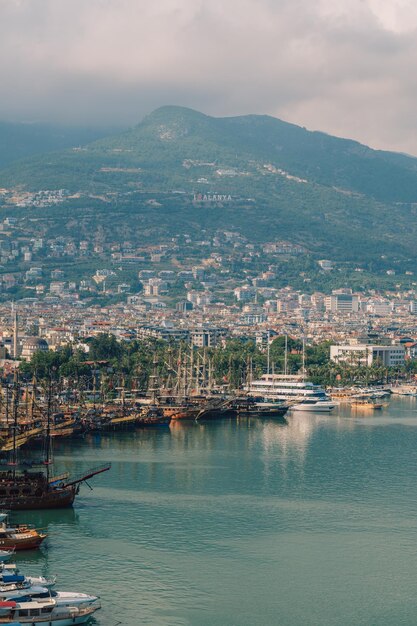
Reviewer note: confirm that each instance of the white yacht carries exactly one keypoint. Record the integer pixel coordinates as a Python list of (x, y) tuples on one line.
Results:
[(315, 406), (302, 394), (45, 613)]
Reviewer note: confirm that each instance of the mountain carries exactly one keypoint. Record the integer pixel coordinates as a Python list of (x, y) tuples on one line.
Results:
[(180, 169), (20, 140)]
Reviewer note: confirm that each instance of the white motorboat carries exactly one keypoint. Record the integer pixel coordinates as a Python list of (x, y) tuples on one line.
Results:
[(67, 598), (314, 406), (9, 573), (29, 592), (16, 591), (45, 613), (16, 586)]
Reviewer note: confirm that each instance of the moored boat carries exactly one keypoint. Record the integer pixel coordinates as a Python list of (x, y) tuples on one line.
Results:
[(180, 412), (45, 613), (35, 490), (152, 415), (367, 404), (314, 406), (217, 408), (19, 537), (288, 388), (23, 489), (262, 408)]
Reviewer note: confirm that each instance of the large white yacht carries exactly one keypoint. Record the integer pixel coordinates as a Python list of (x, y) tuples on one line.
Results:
[(303, 395)]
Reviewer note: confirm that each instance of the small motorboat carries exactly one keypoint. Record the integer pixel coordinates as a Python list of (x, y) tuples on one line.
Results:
[(314, 406), (9, 573), (68, 598), (20, 592)]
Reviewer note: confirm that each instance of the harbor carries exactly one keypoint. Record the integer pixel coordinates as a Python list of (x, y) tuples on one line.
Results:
[(181, 468), (242, 521)]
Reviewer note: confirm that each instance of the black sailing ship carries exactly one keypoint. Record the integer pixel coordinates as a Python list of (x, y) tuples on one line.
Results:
[(30, 485)]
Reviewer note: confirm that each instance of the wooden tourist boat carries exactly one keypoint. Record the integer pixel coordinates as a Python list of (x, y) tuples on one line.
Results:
[(367, 404), (181, 412), (217, 408), (36, 490), (22, 488), (19, 537), (152, 415)]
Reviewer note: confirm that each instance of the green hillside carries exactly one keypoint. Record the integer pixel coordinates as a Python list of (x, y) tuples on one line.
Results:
[(335, 196)]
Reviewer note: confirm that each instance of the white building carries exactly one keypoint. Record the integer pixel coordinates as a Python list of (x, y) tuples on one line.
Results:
[(199, 298), (155, 287), (244, 294), (380, 307), (342, 303), (367, 354), (326, 265)]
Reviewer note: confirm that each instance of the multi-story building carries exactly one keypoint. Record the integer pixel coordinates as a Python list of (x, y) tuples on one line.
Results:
[(206, 337), (368, 354), (244, 294), (340, 302), (380, 307)]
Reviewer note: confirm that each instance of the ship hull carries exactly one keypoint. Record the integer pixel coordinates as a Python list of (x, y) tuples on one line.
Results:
[(52, 499), (181, 413), (216, 414), (21, 544), (272, 414), (313, 408)]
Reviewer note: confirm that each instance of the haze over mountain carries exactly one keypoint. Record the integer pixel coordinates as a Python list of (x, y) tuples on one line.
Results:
[(257, 174), (20, 140)]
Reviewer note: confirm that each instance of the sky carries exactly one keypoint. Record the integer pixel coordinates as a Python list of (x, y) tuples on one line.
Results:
[(346, 67)]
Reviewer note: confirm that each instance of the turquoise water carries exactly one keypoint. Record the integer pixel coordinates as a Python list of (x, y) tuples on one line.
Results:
[(244, 523)]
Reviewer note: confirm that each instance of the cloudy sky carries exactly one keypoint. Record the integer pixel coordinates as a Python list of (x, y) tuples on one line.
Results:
[(347, 67)]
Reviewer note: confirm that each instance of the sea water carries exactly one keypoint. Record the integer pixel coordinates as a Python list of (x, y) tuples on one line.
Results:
[(243, 522)]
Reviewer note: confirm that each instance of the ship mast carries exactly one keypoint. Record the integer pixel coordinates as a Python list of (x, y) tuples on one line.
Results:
[(15, 422), (268, 353), (304, 358), (286, 356), (7, 402), (48, 451), (153, 379)]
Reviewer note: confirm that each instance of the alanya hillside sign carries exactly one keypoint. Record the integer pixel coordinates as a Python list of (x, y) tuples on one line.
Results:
[(215, 197)]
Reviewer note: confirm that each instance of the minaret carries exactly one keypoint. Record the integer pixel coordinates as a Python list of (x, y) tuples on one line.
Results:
[(15, 333)]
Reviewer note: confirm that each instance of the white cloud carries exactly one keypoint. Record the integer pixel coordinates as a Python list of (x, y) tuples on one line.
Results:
[(342, 66)]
